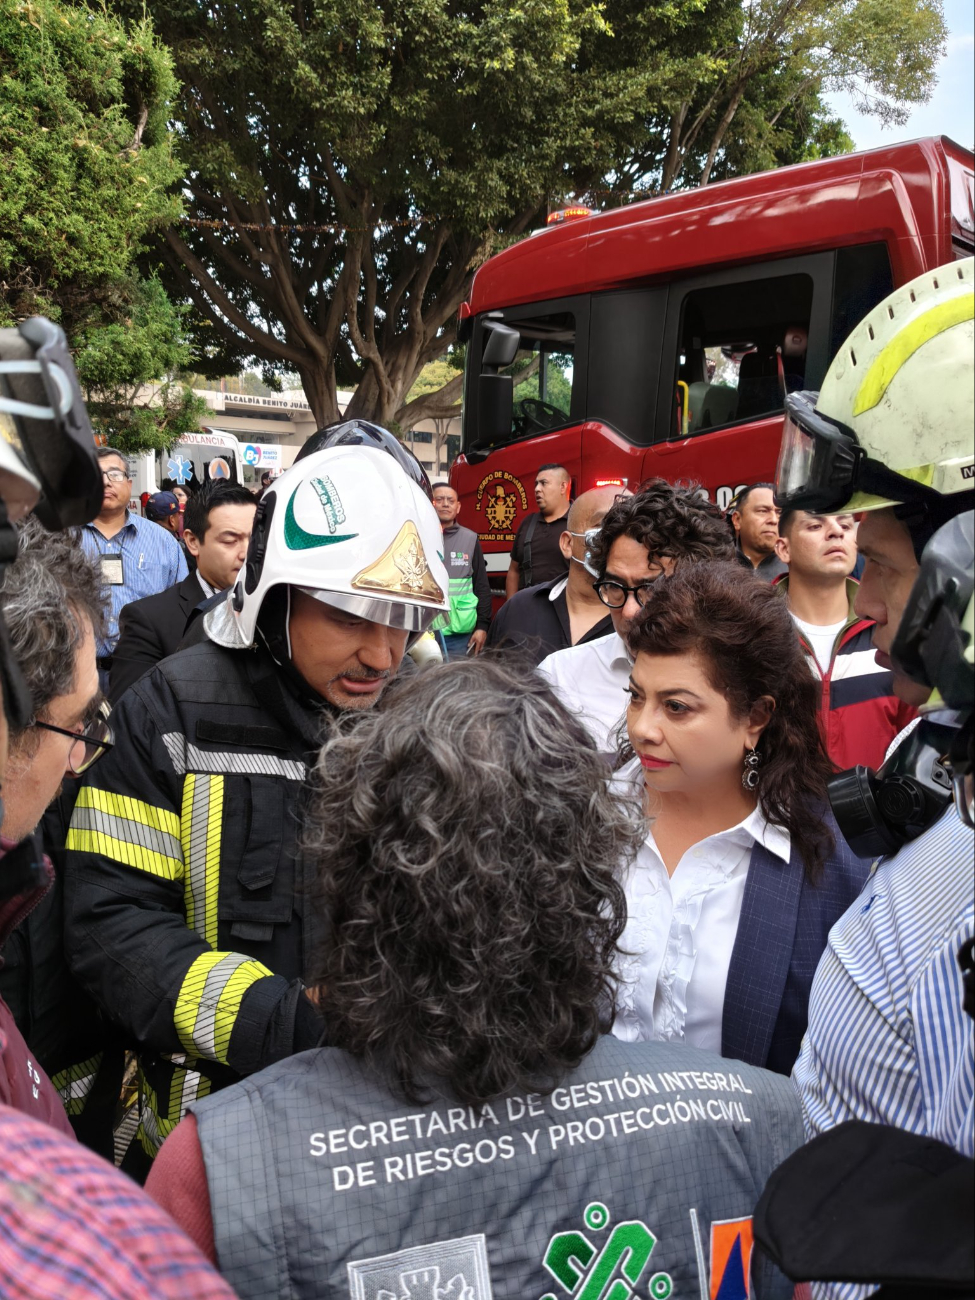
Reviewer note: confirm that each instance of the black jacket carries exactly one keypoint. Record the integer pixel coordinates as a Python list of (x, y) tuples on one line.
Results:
[(151, 629), (186, 895)]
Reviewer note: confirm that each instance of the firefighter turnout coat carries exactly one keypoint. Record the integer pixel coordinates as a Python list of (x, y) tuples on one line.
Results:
[(185, 880)]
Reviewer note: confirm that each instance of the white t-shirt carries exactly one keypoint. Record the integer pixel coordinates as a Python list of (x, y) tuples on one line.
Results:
[(821, 638), (681, 929), (590, 680)]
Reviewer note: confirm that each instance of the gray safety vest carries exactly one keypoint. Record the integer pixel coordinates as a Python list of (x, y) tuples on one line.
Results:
[(636, 1178), (459, 546)]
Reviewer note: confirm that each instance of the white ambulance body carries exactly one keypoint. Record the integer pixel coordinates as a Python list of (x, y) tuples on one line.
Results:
[(209, 454)]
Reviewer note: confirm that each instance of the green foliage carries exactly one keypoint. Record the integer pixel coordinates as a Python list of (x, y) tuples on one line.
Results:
[(88, 164), (413, 137), (746, 92), (126, 366), (558, 388), (89, 174), (175, 410), (432, 378), (115, 357), (392, 145)]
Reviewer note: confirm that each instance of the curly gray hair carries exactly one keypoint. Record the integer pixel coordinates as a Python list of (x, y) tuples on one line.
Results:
[(47, 598), (469, 862)]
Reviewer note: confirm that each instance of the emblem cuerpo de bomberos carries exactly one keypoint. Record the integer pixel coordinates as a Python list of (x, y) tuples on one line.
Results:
[(348, 522)]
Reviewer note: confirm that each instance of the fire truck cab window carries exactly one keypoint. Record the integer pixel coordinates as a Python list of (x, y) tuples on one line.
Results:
[(742, 348), (543, 372)]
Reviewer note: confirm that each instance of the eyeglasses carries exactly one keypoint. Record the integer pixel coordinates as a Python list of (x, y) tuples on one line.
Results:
[(614, 594), (90, 744), (115, 475)]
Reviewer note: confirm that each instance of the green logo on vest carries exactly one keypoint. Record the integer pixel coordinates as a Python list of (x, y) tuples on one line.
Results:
[(611, 1273), (297, 538)]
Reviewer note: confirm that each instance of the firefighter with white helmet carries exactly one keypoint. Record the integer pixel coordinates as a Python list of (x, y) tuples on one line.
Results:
[(891, 434), (185, 914)]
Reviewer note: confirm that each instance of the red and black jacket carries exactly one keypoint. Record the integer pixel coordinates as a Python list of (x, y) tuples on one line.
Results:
[(859, 714)]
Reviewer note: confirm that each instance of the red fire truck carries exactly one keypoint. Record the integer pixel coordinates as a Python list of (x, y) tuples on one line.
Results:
[(660, 338)]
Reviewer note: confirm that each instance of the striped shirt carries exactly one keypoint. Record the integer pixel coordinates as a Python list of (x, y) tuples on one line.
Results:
[(151, 562), (888, 1040)]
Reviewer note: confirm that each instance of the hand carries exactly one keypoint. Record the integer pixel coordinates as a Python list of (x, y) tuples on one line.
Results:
[(476, 644)]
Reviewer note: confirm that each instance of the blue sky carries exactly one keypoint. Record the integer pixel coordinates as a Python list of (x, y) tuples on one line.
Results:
[(949, 111)]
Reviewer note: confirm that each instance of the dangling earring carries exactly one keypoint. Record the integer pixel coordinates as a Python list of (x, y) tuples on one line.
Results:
[(749, 778)]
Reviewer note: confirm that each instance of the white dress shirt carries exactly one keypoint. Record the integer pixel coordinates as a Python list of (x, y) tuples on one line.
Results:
[(590, 680), (681, 929)]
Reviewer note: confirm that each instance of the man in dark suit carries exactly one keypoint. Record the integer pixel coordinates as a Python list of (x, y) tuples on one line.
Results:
[(219, 520)]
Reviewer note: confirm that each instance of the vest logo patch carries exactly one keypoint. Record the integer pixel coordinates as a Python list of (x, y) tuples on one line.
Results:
[(607, 1271), (443, 1270)]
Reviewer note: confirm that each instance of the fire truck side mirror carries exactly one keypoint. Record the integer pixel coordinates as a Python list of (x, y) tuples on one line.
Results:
[(500, 347), (495, 399)]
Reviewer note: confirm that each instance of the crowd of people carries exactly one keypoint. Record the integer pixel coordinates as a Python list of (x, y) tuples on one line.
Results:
[(530, 971)]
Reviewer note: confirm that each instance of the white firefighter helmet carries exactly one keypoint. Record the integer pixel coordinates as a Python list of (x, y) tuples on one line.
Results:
[(347, 526), (894, 419)]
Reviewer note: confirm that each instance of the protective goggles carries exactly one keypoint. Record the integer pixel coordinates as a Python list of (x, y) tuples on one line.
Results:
[(821, 464)]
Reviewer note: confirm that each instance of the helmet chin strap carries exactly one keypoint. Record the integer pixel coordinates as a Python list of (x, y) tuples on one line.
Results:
[(273, 628)]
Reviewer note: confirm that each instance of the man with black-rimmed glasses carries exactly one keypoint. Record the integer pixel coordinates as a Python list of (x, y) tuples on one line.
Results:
[(641, 539)]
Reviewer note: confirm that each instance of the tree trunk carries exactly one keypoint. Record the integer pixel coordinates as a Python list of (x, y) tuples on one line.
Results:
[(672, 160), (721, 132), (319, 385)]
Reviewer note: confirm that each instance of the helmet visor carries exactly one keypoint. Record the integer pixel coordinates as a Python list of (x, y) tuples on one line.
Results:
[(818, 459), (396, 614)]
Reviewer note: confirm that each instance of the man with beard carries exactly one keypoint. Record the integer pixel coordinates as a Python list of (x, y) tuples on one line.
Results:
[(185, 898)]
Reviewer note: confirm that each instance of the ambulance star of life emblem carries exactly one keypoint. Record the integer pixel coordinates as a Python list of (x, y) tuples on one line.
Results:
[(500, 509), (442, 1270)]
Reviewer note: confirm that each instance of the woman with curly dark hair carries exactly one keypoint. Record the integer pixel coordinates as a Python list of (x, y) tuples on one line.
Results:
[(741, 874), (471, 1119)]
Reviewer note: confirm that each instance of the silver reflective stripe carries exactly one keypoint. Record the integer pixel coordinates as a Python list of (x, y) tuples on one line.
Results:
[(129, 832), (79, 1087), (187, 757), (204, 1027), (197, 855)]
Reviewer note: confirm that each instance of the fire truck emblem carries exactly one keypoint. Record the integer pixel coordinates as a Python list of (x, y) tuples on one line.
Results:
[(442, 1270), (611, 1273), (500, 509), (500, 495)]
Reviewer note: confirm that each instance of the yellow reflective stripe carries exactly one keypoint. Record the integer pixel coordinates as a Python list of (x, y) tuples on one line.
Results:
[(186, 1086), (128, 830), (934, 321), (201, 823), (75, 1082), (209, 1001)]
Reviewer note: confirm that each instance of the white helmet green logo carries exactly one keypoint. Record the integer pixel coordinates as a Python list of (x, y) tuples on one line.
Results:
[(350, 527), (297, 538)]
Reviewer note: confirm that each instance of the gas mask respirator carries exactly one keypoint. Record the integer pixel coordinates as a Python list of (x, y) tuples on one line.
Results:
[(878, 812)]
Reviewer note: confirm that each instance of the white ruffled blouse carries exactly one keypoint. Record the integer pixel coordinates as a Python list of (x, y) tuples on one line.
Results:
[(681, 929)]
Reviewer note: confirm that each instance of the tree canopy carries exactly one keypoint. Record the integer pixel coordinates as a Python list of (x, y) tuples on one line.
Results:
[(88, 173), (349, 163)]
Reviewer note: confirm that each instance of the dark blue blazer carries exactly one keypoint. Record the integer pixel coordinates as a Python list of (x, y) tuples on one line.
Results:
[(782, 932)]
